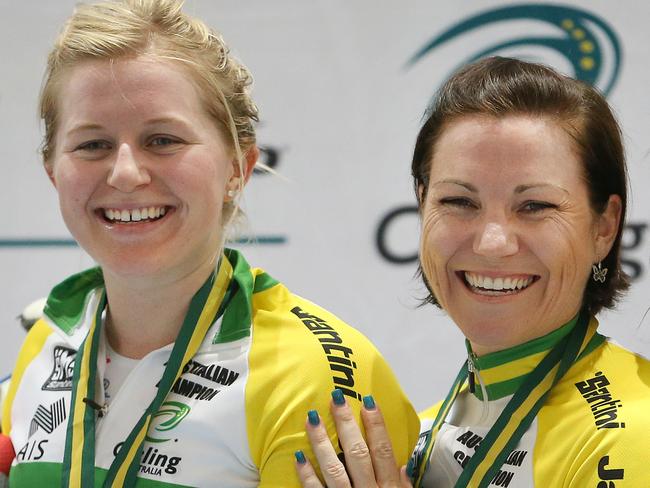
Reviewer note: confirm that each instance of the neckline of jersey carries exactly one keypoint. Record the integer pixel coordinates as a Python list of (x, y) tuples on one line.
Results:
[(502, 372)]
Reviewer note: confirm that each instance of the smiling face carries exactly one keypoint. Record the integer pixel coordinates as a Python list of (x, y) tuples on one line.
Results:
[(508, 235), (141, 170)]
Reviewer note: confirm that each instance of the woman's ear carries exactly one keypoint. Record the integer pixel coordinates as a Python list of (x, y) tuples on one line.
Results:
[(250, 159), (607, 225), (241, 174)]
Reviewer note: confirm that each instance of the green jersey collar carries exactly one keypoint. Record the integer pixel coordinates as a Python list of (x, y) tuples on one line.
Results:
[(502, 372), (67, 304)]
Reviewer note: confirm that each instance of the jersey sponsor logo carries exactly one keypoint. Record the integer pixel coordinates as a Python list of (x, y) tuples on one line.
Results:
[(166, 418), (61, 377), (338, 355), (603, 407), (154, 462), (48, 418), (503, 477), (32, 450), (607, 475)]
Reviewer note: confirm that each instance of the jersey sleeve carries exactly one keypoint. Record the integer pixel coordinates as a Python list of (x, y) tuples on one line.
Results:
[(300, 353), (31, 347), (595, 429), (618, 459), (616, 399)]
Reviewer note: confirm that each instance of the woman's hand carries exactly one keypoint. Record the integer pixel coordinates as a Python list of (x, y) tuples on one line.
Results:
[(368, 465)]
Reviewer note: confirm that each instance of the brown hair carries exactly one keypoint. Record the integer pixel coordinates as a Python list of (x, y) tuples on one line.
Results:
[(501, 87)]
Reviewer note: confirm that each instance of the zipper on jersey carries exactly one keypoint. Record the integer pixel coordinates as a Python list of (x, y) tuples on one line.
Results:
[(470, 372), (474, 375)]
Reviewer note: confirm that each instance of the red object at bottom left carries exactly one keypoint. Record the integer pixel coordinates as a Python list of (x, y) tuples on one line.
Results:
[(7, 455)]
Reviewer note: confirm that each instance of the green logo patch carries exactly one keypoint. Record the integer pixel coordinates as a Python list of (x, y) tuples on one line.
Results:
[(168, 417)]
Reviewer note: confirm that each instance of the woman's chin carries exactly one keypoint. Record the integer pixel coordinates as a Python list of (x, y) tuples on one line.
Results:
[(494, 327)]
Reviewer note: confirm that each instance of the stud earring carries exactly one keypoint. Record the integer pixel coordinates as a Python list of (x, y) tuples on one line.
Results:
[(231, 193), (599, 273)]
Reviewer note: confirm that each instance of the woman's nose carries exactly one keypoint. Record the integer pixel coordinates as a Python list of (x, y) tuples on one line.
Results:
[(127, 174), (496, 239)]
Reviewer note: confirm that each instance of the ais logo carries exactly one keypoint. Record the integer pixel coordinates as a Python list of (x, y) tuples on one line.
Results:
[(166, 418), (579, 38)]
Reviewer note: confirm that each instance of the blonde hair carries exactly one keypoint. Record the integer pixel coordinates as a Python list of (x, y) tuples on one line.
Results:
[(123, 28)]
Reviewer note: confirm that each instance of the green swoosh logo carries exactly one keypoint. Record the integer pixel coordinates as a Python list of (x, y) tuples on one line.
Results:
[(577, 39), (172, 413)]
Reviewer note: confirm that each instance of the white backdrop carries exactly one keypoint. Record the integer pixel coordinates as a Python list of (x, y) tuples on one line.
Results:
[(340, 107)]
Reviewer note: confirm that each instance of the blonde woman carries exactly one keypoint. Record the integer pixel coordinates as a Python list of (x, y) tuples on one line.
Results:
[(173, 363)]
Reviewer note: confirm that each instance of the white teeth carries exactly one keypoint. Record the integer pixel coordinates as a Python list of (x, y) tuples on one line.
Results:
[(488, 283), (134, 215)]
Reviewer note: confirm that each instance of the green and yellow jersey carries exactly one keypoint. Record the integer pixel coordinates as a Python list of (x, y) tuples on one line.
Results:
[(593, 429), (236, 414)]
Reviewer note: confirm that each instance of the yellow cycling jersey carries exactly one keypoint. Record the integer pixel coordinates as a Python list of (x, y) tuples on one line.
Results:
[(237, 412), (593, 429)]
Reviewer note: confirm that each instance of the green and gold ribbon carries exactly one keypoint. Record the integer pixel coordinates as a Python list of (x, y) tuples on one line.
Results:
[(79, 457), (518, 414)]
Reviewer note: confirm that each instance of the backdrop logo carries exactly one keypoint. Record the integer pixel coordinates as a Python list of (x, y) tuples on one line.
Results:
[(167, 417), (585, 40)]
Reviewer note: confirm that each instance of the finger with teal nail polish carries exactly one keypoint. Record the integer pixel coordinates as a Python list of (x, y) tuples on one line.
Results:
[(313, 417), (300, 457), (369, 402), (337, 397)]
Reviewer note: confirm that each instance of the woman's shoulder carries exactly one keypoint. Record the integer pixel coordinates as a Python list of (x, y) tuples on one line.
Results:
[(614, 367), (280, 312), (31, 348), (299, 353)]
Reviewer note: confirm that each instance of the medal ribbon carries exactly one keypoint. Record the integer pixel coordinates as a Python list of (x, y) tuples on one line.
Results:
[(79, 457), (518, 414)]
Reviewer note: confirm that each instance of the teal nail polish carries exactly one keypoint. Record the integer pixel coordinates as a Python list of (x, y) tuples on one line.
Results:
[(337, 396), (300, 457), (313, 417), (369, 402)]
